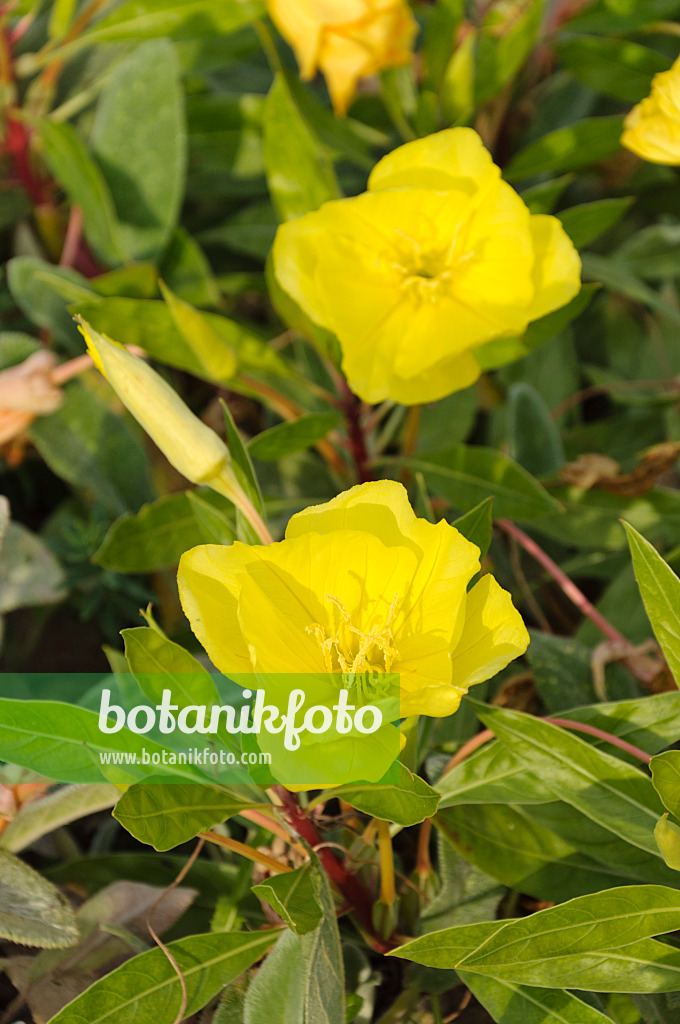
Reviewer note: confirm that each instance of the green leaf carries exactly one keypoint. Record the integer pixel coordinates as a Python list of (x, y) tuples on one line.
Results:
[(568, 148), (593, 517), (85, 185), (465, 475), (149, 325), (596, 842), (509, 844), (660, 590), (477, 525), (302, 980), (623, 16), (534, 437), (293, 896), (444, 948), (299, 173), (562, 670), (652, 253), (209, 348), (583, 944), (666, 778), (502, 351), (63, 742), (158, 664), (587, 924), (618, 277), (42, 291), (158, 535), (51, 812), (250, 231), (139, 141), (185, 268), (543, 198), (61, 17), (501, 55), (602, 787), (32, 910), (177, 19), (466, 894), (615, 67), (296, 436), (146, 989), (588, 221), (241, 461), (407, 802), (29, 572), (492, 775), (509, 1003), (165, 816), (92, 448)]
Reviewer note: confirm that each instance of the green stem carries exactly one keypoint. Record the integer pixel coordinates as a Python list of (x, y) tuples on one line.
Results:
[(268, 45)]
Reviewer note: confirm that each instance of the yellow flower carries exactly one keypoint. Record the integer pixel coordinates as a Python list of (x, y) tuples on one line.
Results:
[(359, 585), (439, 257), (345, 39), (652, 129)]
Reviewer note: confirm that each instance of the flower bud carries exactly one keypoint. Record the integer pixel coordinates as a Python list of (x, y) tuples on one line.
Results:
[(190, 446), (667, 837)]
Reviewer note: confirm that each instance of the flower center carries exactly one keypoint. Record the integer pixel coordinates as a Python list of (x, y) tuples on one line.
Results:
[(354, 652)]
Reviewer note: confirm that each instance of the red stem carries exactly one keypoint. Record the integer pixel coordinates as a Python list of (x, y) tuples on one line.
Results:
[(348, 885), (565, 723), (568, 586), (357, 441)]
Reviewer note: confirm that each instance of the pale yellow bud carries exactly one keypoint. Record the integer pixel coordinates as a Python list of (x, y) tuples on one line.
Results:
[(667, 837), (193, 448)]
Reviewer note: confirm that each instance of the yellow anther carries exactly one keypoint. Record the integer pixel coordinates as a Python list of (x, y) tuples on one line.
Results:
[(338, 650)]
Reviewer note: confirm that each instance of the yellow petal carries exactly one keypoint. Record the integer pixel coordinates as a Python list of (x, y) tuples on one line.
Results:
[(452, 159), (428, 621), (317, 579), (557, 270), (493, 636), (652, 133), (209, 586), (343, 60), (300, 26), (444, 378)]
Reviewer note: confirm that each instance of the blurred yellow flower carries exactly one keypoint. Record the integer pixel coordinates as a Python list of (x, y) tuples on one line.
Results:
[(652, 129), (359, 585), (345, 39), (439, 257)]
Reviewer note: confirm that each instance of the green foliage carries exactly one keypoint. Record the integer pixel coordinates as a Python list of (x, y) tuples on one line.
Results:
[(143, 158), (165, 816), (147, 988), (155, 537), (660, 590), (32, 911)]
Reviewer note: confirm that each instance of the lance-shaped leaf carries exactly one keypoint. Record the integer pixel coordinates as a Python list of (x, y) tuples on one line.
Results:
[(293, 895), (147, 989), (660, 589), (602, 787), (165, 816)]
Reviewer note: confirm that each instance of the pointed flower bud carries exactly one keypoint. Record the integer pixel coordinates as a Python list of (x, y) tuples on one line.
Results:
[(190, 445)]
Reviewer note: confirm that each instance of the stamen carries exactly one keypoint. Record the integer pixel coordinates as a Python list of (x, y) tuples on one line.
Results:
[(353, 667)]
